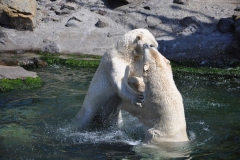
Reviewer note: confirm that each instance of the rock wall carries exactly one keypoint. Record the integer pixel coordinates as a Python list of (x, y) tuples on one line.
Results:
[(203, 32)]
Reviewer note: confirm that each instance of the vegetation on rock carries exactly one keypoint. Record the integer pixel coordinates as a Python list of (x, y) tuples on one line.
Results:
[(28, 83)]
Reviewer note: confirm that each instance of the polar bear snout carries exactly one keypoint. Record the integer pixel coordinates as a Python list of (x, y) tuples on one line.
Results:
[(145, 46)]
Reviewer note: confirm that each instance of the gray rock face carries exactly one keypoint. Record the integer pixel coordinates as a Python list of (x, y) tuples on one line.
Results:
[(2, 37), (226, 25), (19, 14), (11, 72), (50, 47), (102, 24)]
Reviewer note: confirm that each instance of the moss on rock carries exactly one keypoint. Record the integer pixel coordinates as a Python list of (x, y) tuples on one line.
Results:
[(178, 68), (28, 83), (206, 71), (91, 61)]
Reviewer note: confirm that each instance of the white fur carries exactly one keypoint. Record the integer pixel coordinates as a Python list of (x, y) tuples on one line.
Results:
[(110, 82), (162, 113)]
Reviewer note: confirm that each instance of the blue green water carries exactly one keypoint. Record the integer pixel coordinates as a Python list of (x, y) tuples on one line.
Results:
[(37, 123)]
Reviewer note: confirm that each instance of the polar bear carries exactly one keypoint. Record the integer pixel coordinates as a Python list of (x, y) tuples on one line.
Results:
[(162, 113), (109, 85)]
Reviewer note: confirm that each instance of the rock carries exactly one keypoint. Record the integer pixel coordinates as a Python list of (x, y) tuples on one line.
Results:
[(237, 33), (42, 3), (50, 47), (55, 8), (55, 19), (183, 2), (70, 6), (237, 8), (141, 25), (190, 21), (225, 25), (92, 9), (46, 19), (115, 3), (101, 24), (189, 30), (73, 22), (26, 63), (75, 18), (153, 21), (2, 37), (12, 72), (102, 12), (19, 51), (131, 1), (147, 7), (237, 23), (19, 14), (132, 6), (191, 24), (38, 62), (62, 12)]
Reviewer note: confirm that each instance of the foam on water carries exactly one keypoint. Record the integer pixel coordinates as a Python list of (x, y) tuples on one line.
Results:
[(69, 135)]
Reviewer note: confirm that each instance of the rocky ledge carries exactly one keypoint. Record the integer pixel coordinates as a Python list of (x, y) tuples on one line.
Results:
[(15, 77), (203, 33), (15, 72)]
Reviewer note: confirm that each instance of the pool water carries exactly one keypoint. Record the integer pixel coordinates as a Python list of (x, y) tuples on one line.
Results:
[(37, 123)]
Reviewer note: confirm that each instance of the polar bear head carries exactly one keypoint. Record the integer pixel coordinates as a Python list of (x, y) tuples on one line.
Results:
[(154, 62), (131, 44)]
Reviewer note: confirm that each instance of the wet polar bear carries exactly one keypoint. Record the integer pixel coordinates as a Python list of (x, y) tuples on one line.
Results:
[(109, 85), (162, 114)]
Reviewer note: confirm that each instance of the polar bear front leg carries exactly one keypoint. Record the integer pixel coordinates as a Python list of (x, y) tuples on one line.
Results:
[(118, 72), (137, 83), (84, 117)]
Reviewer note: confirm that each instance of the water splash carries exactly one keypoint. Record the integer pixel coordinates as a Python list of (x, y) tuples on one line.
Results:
[(69, 135)]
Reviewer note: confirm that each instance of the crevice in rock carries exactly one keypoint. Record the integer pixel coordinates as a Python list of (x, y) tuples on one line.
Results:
[(18, 12), (115, 3)]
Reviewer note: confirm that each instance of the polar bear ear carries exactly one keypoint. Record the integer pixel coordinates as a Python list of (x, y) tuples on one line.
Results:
[(145, 67), (167, 61), (139, 37)]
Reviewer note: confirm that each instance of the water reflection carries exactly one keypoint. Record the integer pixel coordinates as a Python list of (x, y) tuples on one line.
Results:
[(37, 123)]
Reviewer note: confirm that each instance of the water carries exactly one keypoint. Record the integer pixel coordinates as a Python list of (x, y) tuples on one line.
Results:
[(37, 123)]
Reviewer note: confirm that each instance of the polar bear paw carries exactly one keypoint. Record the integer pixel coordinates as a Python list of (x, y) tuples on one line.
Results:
[(138, 99)]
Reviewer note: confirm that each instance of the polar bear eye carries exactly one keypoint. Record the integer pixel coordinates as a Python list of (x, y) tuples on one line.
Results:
[(151, 45)]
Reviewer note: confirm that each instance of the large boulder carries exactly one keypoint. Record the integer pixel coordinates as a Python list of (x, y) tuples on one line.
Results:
[(19, 14), (226, 25), (15, 72)]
